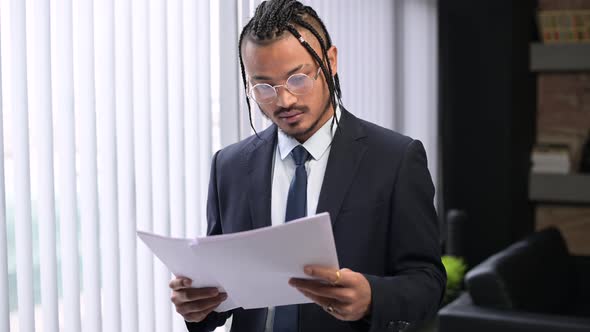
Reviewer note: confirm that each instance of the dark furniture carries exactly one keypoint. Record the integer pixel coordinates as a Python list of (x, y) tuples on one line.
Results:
[(533, 285)]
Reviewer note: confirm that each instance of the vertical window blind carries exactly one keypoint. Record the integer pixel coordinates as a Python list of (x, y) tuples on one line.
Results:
[(109, 113), (105, 127)]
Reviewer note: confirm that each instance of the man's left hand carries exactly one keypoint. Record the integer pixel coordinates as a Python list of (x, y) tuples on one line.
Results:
[(344, 294)]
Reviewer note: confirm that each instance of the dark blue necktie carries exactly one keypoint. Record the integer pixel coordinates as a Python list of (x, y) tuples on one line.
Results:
[(297, 199), (286, 317)]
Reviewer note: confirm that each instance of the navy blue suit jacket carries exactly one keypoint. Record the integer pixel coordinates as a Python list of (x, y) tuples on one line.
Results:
[(379, 194)]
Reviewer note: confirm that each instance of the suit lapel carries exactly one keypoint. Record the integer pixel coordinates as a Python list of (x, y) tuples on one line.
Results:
[(345, 155), (260, 161)]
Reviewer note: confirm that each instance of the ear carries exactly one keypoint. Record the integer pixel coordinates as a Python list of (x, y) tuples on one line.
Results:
[(333, 57)]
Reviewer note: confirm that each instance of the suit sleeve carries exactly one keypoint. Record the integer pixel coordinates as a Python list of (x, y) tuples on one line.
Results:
[(214, 319), (413, 288)]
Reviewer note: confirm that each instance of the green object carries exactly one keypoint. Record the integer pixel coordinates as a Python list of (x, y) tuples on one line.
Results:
[(456, 268)]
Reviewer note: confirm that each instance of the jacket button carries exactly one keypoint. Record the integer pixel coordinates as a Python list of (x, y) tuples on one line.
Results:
[(398, 325)]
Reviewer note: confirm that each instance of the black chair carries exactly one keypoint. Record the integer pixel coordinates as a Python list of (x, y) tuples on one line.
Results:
[(533, 285)]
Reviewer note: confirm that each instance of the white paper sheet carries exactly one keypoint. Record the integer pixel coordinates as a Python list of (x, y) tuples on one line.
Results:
[(253, 267)]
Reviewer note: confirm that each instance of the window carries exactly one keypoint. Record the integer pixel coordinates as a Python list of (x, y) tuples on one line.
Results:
[(109, 114)]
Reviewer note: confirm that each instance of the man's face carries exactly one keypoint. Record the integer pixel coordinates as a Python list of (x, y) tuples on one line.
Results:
[(299, 116)]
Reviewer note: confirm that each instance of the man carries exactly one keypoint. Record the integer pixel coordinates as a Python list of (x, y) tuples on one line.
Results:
[(318, 157)]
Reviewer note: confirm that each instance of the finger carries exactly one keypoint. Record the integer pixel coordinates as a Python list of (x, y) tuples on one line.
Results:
[(328, 274), (325, 303), (193, 294), (341, 294), (317, 285), (319, 300), (179, 283), (201, 305), (197, 317)]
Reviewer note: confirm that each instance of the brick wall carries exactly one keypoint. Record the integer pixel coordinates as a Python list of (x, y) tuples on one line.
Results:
[(563, 102), (563, 98)]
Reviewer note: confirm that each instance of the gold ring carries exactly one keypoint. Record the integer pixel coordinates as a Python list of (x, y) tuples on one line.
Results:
[(338, 276), (330, 309)]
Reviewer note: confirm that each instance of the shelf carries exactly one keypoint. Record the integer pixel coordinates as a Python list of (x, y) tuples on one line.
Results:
[(560, 57), (560, 188)]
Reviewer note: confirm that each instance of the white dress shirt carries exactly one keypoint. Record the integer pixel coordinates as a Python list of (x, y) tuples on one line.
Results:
[(318, 146), (284, 166)]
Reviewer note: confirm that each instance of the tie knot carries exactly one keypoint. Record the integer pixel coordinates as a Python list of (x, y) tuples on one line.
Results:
[(300, 155)]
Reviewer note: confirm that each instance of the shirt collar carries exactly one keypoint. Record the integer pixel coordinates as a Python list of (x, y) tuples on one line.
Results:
[(316, 145)]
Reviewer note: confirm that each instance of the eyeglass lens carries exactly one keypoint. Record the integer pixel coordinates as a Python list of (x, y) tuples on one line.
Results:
[(298, 84)]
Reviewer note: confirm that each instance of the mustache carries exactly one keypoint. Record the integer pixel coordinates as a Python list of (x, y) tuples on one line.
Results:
[(278, 112)]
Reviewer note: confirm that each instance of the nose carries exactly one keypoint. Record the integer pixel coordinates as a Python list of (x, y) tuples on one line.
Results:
[(285, 98)]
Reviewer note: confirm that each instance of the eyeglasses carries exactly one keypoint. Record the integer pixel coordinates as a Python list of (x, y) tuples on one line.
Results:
[(298, 84)]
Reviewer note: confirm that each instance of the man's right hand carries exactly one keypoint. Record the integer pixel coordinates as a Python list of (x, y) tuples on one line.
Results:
[(194, 304)]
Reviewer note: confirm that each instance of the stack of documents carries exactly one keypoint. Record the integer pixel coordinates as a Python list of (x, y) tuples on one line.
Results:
[(253, 267)]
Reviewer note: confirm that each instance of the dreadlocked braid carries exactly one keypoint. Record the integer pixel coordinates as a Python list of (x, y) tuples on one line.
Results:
[(271, 19)]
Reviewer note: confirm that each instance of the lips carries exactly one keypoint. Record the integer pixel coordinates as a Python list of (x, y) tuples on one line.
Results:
[(290, 116)]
